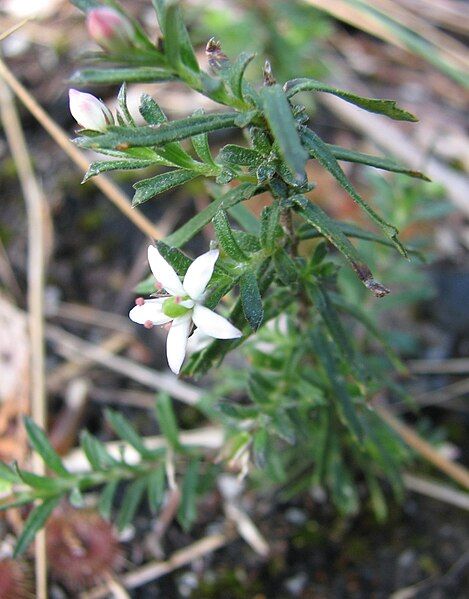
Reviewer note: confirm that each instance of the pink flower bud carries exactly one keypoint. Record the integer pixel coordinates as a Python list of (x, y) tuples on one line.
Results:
[(88, 111), (110, 29)]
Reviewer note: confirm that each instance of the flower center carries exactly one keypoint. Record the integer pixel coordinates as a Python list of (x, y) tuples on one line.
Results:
[(172, 307)]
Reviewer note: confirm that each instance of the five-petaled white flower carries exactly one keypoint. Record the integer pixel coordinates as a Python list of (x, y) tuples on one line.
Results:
[(182, 306)]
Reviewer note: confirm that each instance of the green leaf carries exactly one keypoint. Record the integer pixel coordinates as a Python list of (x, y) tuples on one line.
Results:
[(236, 73), (106, 499), (202, 147), (122, 102), (151, 111), (167, 420), (42, 483), (226, 239), (386, 164), (244, 191), (386, 107), (177, 45), (179, 261), (116, 75), (126, 431), (321, 300), (149, 188), (283, 126), (325, 157), (85, 5), (104, 166), (233, 155), (8, 474), (245, 218), (36, 520), (156, 488), (346, 408), (116, 137), (42, 446), (187, 512), (251, 299), (132, 498), (285, 267), (270, 228), (260, 447), (96, 453), (321, 221)]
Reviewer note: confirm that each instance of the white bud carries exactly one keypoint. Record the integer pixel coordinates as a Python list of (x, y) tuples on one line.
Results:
[(88, 111)]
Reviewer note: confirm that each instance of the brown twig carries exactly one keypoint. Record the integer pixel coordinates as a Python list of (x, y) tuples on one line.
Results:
[(36, 213), (157, 569), (436, 490), (66, 342), (455, 471), (450, 366)]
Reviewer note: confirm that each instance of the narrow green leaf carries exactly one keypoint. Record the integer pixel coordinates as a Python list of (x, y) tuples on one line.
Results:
[(116, 75), (321, 221), (381, 162), (8, 474), (242, 192), (36, 520), (260, 447), (156, 488), (270, 228), (283, 126), (96, 453), (42, 446), (42, 483), (116, 137), (187, 512), (201, 146), (104, 166), (126, 431), (179, 261), (177, 45), (285, 267), (76, 498), (386, 107), (236, 73), (167, 419), (346, 408), (321, 300), (106, 499), (325, 157), (233, 155), (251, 299), (122, 102), (245, 218), (132, 498), (149, 188), (151, 111), (225, 237)]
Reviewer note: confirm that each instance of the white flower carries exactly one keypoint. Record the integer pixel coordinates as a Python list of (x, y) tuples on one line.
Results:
[(88, 111), (183, 305)]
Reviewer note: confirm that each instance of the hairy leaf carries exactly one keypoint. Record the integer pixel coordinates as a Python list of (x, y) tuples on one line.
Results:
[(149, 188), (251, 299)]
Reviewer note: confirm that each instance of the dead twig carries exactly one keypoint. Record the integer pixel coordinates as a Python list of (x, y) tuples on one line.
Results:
[(36, 212), (66, 342), (436, 490), (455, 471), (157, 569), (450, 366)]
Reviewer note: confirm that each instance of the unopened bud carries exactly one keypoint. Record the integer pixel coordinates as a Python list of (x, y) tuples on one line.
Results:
[(139, 301), (110, 29), (88, 111)]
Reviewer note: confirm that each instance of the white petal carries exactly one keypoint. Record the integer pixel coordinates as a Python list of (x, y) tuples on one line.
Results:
[(164, 273), (213, 324), (150, 310), (199, 274), (197, 341), (177, 341)]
